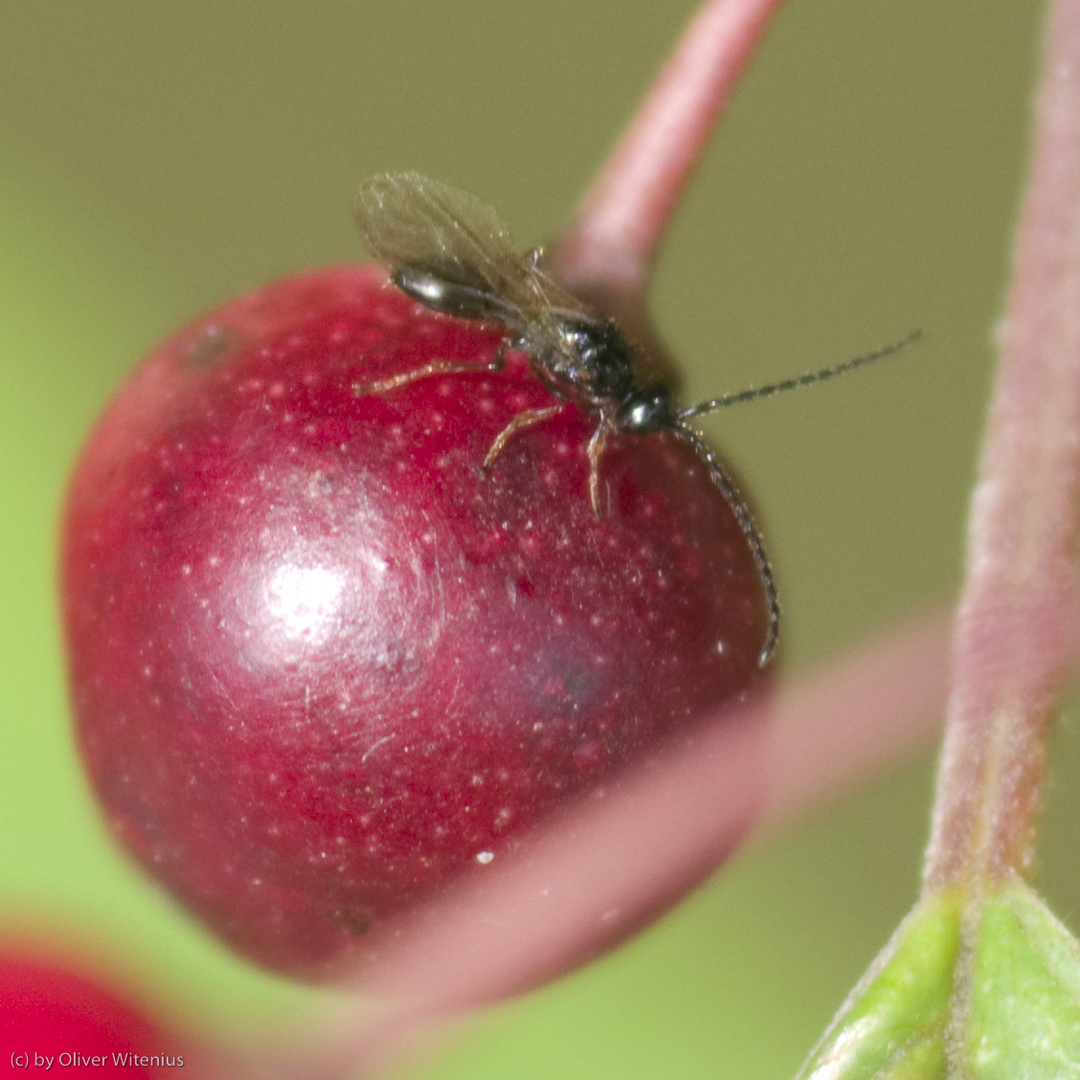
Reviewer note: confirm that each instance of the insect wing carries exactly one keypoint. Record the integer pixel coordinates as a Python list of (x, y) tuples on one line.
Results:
[(411, 220)]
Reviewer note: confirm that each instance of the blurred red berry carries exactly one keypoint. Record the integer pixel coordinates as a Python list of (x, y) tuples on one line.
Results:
[(55, 1018)]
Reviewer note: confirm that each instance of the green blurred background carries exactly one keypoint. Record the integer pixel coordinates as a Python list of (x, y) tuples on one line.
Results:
[(157, 159)]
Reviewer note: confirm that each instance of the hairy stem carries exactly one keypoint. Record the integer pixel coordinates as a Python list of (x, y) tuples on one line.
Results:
[(607, 250), (1014, 629)]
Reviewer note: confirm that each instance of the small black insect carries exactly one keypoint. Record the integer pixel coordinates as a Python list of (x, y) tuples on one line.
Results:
[(451, 252)]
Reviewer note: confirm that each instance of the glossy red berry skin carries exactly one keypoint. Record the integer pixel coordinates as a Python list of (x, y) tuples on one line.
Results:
[(322, 662)]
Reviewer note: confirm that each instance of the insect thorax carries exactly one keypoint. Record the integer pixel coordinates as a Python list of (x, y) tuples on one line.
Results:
[(595, 361)]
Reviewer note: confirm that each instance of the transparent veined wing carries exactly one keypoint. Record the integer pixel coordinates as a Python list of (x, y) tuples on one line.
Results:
[(411, 220)]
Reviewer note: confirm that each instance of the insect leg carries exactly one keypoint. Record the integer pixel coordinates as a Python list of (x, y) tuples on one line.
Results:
[(524, 419), (435, 367), (733, 496), (595, 451)]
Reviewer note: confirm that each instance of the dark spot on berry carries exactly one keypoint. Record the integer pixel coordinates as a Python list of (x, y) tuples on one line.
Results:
[(210, 346)]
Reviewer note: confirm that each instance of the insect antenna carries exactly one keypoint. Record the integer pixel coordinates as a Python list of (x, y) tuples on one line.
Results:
[(679, 427), (729, 489), (807, 379)]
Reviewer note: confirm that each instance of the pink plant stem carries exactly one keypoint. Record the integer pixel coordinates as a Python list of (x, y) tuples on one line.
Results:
[(1014, 630), (610, 245)]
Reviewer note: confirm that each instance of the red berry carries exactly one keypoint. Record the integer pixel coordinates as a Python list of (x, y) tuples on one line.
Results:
[(323, 662), (53, 1016)]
